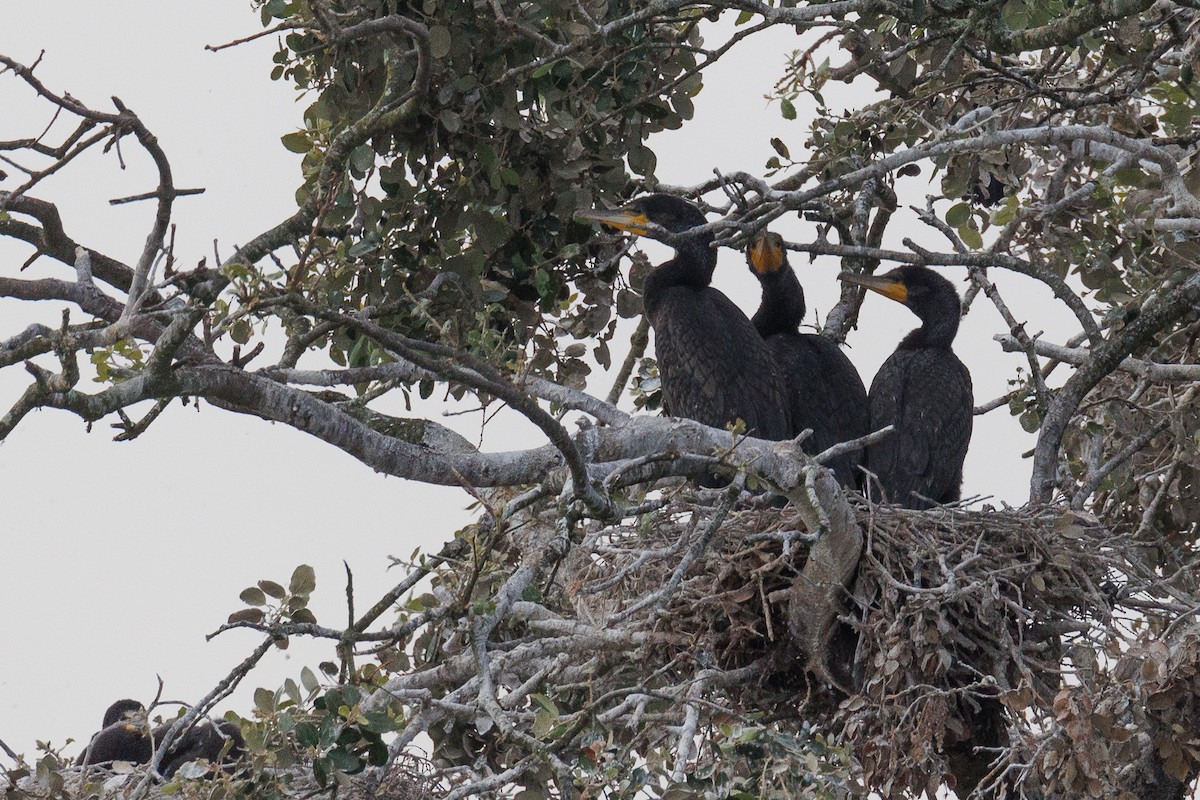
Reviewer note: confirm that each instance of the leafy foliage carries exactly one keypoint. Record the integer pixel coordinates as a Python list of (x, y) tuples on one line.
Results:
[(464, 208)]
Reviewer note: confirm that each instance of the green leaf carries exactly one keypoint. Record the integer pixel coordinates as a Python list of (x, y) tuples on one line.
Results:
[(541, 281), (1006, 212), (361, 248), (344, 761), (304, 581), (629, 304), (306, 734), (642, 160), (958, 214), (379, 722), (253, 596), (439, 41), (787, 109), (543, 722), (297, 142), (273, 589), (971, 237), (545, 702), (251, 615), (308, 680), (683, 106), (240, 331), (1015, 15), (362, 158), (264, 700), (602, 355)]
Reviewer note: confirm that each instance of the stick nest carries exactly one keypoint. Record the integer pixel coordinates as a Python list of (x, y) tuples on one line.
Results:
[(956, 621)]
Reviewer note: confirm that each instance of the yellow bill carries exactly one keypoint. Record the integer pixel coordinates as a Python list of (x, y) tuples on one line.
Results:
[(766, 253), (620, 218), (888, 287)]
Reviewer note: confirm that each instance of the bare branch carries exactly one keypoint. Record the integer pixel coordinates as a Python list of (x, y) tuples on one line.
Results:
[(1150, 370)]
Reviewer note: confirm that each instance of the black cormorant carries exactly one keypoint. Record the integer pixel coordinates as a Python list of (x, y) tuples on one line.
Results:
[(824, 391), (714, 366), (923, 390), (124, 736), (206, 740)]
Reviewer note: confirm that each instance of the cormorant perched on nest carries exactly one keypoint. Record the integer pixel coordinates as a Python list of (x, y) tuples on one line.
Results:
[(124, 736), (824, 392), (714, 366), (923, 390)]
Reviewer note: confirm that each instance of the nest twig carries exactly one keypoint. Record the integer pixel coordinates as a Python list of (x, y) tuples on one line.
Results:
[(961, 624)]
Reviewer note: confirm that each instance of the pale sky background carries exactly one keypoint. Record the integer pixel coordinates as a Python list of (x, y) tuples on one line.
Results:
[(117, 559)]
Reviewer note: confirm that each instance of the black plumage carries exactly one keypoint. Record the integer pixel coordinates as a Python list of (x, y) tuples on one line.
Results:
[(924, 390), (124, 736), (823, 389), (714, 366), (217, 743)]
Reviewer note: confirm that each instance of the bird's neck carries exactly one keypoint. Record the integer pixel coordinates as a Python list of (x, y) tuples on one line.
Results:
[(782, 307), (692, 266), (940, 326)]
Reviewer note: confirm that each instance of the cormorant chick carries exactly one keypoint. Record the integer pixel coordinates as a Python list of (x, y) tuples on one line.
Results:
[(206, 740), (124, 736)]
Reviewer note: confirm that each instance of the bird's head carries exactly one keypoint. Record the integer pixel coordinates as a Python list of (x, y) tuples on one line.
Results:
[(911, 285), (924, 292), (766, 254), (128, 712), (674, 214)]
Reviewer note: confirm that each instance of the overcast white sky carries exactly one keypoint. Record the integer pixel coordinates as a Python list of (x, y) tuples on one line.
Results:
[(117, 559)]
